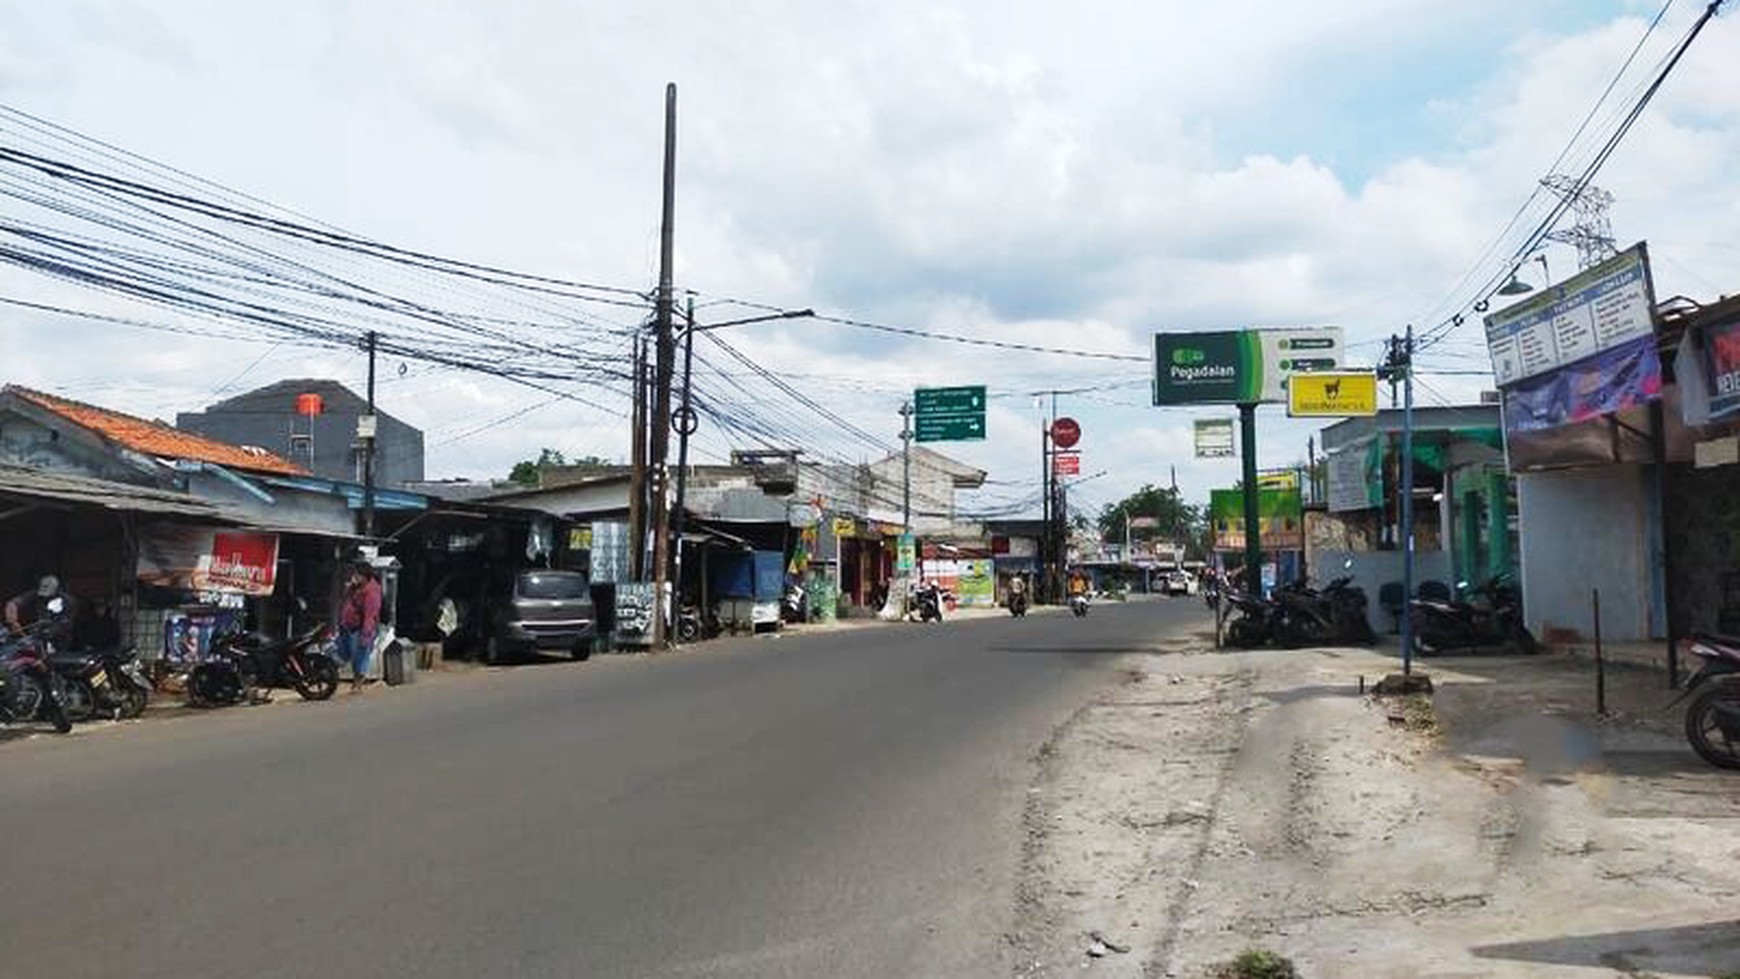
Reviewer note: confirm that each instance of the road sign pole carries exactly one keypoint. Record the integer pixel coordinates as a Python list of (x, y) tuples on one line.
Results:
[(1253, 524)]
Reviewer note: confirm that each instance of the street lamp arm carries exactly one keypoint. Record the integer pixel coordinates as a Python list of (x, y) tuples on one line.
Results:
[(790, 314)]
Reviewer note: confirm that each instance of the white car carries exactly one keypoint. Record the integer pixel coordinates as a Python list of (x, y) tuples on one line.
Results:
[(1179, 583)]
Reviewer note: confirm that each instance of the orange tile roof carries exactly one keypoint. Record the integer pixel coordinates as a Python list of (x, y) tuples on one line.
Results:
[(157, 439)]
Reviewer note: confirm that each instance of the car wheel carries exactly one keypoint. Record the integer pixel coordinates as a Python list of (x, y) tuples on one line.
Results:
[(581, 651)]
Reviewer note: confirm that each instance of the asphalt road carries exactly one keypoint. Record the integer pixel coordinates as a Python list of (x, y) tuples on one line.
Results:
[(841, 804)]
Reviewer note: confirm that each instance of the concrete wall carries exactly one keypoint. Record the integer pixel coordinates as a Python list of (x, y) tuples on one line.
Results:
[(1371, 569), (1584, 529)]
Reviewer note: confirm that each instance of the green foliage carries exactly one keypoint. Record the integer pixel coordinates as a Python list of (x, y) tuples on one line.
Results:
[(526, 472), (1257, 963), (1172, 518)]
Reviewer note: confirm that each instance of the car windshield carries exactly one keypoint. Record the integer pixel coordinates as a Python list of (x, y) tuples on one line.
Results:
[(552, 585)]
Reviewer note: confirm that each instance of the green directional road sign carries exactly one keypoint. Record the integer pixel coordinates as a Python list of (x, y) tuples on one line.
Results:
[(949, 414)]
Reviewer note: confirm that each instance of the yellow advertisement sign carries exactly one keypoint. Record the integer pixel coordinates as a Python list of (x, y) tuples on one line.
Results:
[(1287, 479), (1332, 394)]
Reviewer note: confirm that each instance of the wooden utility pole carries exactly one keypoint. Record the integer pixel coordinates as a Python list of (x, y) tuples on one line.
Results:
[(664, 368)]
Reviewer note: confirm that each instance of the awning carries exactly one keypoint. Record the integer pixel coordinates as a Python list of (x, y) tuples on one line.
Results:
[(44, 488)]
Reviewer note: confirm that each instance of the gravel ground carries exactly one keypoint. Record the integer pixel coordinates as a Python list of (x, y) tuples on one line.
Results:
[(1218, 802)]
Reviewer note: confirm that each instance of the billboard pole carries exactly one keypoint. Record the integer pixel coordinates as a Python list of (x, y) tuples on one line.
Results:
[(1253, 526)]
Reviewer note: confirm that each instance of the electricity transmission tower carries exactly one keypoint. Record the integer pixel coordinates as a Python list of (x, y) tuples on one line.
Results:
[(1591, 234)]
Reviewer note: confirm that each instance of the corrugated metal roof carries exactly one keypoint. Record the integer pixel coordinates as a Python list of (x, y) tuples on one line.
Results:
[(38, 484)]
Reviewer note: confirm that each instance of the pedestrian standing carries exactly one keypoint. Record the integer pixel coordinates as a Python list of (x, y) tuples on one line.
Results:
[(359, 618)]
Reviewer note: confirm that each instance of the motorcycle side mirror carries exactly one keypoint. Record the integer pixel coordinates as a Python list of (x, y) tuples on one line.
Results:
[(301, 604), (56, 605), (1347, 564)]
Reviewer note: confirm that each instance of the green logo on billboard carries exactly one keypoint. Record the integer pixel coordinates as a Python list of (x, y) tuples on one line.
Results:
[(1185, 356)]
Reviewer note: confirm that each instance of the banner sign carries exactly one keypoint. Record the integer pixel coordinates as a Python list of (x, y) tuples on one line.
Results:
[(1356, 477), (1281, 523), (1239, 366), (1722, 369), (207, 559), (1285, 479), (1215, 438), (906, 554), (1601, 308), (1332, 394), (1066, 464), (1616, 379)]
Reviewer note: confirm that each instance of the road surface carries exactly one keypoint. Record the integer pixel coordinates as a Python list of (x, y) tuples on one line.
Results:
[(844, 804)]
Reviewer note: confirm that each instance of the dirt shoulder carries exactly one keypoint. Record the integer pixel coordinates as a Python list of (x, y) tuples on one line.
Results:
[(1219, 802)]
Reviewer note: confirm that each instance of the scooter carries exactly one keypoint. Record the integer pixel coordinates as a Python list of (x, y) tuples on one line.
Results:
[(792, 608), (244, 663), (1255, 624), (1305, 616), (1078, 604), (1713, 716), (927, 602), (1018, 604), (29, 690), (110, 681), (1492, 619)]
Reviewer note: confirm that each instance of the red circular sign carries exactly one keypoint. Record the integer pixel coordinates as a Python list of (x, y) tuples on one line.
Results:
[(1065, 433)]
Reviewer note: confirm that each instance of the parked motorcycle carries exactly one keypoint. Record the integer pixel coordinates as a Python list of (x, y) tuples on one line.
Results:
[(1713, 716), (1018, 604), (693, 625), (1305, 616), (792, 608), (107, 681), (927, 602), (1491, 618), (29, 689), (1254, 624), (244, 663)]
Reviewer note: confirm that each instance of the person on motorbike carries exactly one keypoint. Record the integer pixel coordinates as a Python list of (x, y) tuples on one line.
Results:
[(30, 607)]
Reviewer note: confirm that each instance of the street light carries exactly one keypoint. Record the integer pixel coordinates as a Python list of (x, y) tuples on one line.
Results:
[(1517, 287), (685, 421)]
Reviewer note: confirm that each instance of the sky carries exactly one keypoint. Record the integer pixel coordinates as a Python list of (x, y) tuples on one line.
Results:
[(1075, 177)]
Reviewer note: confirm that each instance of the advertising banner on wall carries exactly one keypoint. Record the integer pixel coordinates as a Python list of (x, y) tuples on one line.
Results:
[(1280, 518), (1239, 366), (1722, 369), (1356, 477), (208, 559), (1614, 379)]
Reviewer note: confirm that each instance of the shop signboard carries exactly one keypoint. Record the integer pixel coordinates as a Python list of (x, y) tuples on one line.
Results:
[(1722, 369), (1332, 394), (1239, 366), (208, 560), (1215, 439), (1066, 464), (1280, 520), (1598, 309), (1581, 349), (1283, 479)]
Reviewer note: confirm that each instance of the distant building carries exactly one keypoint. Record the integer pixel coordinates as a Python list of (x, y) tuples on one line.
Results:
[(313, 423)]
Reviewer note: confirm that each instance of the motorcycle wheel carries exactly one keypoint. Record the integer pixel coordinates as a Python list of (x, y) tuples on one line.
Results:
[(1246, 634), (208, 686), (1705, 734), (320, 681), (80, 701), (57, 716), (133, 702), (688, 629)]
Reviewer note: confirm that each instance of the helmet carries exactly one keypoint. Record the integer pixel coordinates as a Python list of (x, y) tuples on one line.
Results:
[(48, 586)]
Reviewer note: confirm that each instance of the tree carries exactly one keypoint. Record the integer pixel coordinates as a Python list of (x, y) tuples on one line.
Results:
[(528, 472), (1155, 514)]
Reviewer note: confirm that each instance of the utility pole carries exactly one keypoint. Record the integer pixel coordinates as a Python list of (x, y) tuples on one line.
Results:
[(366, 429), (666, 366), (906, 411), (637, 467), (1405, 363), (685, 423)]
